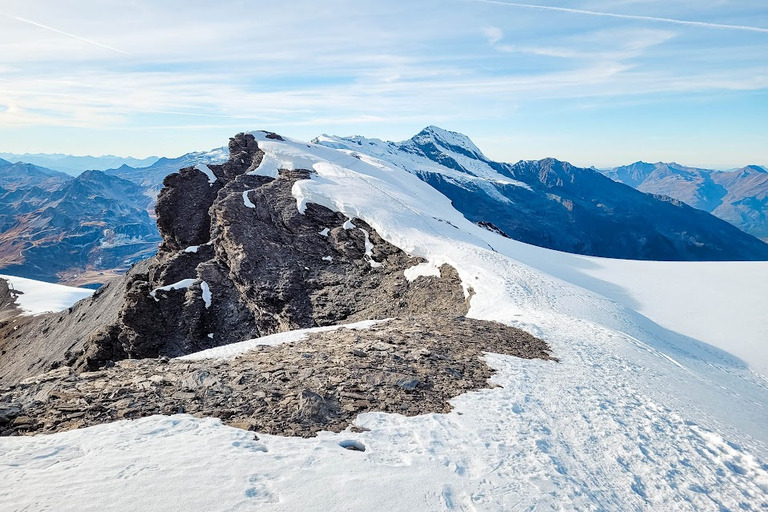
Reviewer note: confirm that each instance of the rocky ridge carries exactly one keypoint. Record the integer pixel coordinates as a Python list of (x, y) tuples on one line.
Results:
[(238, 261), (408, 366)]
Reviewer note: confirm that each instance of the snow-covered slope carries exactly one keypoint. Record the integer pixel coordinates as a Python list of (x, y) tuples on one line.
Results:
[(39, 297), (635, 416), (553, 204)]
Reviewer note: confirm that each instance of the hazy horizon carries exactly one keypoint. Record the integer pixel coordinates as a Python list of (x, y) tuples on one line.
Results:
[(592, 82)]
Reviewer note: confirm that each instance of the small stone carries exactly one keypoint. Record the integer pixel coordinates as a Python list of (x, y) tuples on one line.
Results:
[(8, 413)]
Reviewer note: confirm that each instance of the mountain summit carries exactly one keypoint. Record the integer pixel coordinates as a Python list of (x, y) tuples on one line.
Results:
[(556, 205)]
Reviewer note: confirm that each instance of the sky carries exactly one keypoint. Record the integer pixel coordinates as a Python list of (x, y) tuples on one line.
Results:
[(593, 82)]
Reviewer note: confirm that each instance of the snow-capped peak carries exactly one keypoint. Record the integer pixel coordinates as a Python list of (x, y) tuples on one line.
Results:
[(451, 141)]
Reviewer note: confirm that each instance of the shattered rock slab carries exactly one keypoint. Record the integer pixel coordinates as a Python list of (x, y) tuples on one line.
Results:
[(410, 366)]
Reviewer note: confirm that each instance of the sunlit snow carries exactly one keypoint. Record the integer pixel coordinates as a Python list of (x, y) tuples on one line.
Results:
[(640, 413), (40, 297)]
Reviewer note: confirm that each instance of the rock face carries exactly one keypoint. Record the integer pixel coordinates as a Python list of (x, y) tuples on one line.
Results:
[(237, 261), (408, 366), (8, 307)]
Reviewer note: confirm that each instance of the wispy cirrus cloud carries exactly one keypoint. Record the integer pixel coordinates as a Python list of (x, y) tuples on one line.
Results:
[(66, 34), (369, 67), (658, 19)]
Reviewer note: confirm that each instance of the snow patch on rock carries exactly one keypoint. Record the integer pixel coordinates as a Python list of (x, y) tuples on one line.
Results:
[(236, 349)]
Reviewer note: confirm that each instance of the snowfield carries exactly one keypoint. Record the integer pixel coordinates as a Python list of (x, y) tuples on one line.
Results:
[(642, 413), (40, 297)]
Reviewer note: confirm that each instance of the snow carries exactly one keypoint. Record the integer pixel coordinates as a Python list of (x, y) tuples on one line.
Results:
[(383, 154), (348, 224), (192, 248), (237, 349), (247, 202), (40, 297), (324, 232), (180, 285), (207, 297), (426, 269), (327, 258), (640, 413), (207, 170), (369, 250)]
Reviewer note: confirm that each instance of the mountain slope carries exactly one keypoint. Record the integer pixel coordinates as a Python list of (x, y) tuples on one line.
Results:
[(556, 205), (92, 222), (739, 197), (632, 417), (24, 175)]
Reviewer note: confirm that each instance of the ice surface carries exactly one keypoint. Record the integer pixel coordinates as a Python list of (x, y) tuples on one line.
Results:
[(369, 250), (207, 297), (41, 297), (247, 201)]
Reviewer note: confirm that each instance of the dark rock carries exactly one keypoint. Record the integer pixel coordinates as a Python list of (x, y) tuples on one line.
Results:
[(8, 412), (255, 271), (266, 389), (182, 209)]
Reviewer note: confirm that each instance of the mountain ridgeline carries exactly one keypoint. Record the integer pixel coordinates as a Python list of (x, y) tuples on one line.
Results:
[(55, 227), (74, 165), (553, 204), (90, 229), (739, 197)]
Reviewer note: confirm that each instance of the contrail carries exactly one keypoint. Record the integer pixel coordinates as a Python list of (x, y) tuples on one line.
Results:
[(73, 36), (625, 16)]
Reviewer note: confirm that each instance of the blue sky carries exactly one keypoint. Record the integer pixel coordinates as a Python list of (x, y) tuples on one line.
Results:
[(589, 81)]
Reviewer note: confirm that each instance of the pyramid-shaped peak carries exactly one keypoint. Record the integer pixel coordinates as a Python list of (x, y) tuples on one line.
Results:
[(452, 141)]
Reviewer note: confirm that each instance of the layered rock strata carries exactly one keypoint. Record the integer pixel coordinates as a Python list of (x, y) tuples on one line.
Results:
[(409, 366)]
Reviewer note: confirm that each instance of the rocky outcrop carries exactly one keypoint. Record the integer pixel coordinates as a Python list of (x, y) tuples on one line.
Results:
[(237, 261), (408, 366)]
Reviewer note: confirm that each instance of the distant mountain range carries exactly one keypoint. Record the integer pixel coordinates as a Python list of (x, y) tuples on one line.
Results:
[(84, 230), (553, 204), (22, 175), (55, 227), (739, 197), (74, 165), (151, 177)]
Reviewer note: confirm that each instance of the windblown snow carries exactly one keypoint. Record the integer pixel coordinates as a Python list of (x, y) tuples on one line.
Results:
[(236, 349), (642, 412), (38, 297)]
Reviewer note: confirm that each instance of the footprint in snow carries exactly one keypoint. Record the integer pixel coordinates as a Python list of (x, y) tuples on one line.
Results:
[(353, 445), (250, 446)]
